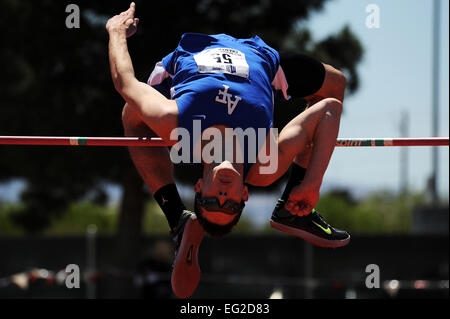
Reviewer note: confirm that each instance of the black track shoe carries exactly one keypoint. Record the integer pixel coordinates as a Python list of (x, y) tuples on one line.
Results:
[(311, 228)]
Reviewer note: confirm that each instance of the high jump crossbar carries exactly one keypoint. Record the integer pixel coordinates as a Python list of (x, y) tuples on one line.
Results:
[(156, 141)]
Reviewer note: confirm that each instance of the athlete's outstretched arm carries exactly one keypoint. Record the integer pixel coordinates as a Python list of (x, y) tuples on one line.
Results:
[(119, 28), (154, 109)]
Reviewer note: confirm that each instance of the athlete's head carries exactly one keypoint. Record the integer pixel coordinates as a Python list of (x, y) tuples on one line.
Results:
[(219, 198)]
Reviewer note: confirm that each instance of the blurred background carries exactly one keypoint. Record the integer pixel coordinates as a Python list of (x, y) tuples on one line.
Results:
[(88, 207)]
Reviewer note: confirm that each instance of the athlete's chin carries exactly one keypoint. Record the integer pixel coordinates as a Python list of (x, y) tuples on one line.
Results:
[(228, 182)]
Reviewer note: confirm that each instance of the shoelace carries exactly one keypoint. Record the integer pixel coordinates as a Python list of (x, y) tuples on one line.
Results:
[(320, 218), (314, 213)]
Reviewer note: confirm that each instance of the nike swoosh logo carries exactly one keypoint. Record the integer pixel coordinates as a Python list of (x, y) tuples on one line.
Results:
[(189, 255), (326, 230)]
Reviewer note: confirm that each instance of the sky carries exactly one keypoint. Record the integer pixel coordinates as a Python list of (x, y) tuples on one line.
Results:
[(395, 77)]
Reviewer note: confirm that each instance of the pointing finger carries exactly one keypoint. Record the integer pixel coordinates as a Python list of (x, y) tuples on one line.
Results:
[(130, 11), (129, 22), (132, 8)]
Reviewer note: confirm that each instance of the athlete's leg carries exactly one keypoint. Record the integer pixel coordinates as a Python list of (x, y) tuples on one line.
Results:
[(298, 167), (155, 167), (318, 150), (318, 125), (317, 129), (153, 163)]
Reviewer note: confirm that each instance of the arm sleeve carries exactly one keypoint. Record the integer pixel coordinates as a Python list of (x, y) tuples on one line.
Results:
[(305, 75), (160, 80), (280, 84)]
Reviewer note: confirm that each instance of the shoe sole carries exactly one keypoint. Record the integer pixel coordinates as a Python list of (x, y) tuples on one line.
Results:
[(186, 271), (311, 238)]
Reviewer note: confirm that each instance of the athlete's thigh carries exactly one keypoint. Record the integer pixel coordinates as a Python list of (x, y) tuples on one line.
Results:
[(270, 165), (295, 138)]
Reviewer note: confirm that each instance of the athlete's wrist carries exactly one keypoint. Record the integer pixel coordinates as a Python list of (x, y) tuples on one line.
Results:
[(117, 32), (312, 183)]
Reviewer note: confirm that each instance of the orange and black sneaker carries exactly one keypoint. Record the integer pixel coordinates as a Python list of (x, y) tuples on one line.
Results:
[(188, 236), (311, 228)]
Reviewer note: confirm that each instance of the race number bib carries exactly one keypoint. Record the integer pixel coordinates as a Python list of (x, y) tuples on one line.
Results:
[(222, 60)]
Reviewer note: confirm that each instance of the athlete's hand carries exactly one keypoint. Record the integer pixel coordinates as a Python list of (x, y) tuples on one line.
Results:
[(124, 22), (302, 200)]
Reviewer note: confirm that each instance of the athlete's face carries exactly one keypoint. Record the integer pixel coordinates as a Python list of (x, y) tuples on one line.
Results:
[(223, 182)]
